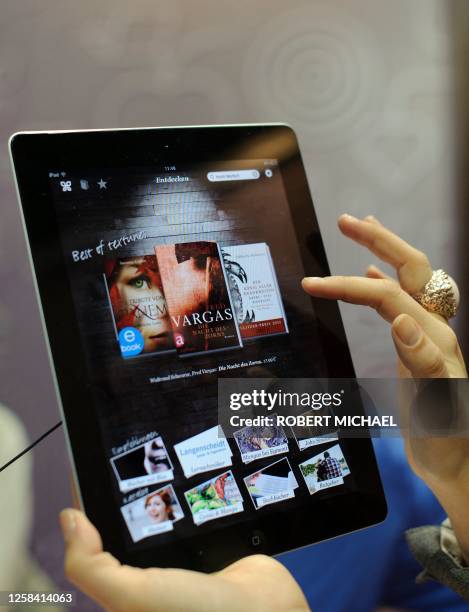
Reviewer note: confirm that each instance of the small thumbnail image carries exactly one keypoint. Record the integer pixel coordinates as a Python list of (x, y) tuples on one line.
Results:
[(272, 484), (206, 451), (144, 465), (214, 498), (325, 470), (307, 436), (258, 442), (152, 514)]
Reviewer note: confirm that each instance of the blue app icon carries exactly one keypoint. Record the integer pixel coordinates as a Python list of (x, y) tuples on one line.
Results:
[(131, 342)]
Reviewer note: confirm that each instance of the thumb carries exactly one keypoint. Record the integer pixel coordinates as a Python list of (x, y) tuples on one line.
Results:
[(95, 572), (81, 537), (420, 355)]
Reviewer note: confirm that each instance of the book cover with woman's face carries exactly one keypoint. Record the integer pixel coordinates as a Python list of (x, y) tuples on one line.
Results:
[(197, 297), (137, 300)]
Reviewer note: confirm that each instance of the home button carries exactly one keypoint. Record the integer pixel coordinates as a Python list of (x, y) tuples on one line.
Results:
[(257, 539)]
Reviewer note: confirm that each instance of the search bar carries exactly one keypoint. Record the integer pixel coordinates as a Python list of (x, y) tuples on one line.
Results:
[(233, 175)]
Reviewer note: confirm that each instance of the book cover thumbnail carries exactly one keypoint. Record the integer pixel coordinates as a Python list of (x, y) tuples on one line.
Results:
[(325, 470), (254, 290), (197, 296), (215, 498), (138, 305)]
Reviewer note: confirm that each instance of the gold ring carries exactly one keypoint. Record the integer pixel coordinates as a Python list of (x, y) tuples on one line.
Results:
[(440, 295)]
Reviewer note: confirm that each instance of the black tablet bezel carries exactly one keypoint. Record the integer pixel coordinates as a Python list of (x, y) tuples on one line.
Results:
[(33, 155)]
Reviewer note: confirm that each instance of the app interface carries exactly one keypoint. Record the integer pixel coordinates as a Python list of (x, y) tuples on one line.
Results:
[(181, 274)]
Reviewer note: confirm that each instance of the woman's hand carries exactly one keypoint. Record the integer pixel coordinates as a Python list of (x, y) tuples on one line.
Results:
[(426, 347), (253, 583)]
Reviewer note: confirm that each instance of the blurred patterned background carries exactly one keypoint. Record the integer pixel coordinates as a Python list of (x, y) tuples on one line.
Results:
[(370, 87)]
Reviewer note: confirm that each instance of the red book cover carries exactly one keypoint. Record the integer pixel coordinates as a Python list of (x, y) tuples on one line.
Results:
[(138, 303), (197, 296)]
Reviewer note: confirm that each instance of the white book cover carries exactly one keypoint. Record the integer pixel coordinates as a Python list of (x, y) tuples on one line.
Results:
[(254, 290), (206, 451)]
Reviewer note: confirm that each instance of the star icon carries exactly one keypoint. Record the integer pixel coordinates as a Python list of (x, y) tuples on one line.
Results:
[(102, 184)]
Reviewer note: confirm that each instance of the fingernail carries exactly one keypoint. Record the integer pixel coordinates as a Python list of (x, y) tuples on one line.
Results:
[(68, 523), (407, 331), (314, 279), (348, 217)]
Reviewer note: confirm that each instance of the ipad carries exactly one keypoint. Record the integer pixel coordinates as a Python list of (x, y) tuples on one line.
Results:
[(165, 259)]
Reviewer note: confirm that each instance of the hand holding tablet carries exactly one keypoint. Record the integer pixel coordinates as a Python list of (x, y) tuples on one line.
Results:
[(325, 469), (163, 259), (244, 585)]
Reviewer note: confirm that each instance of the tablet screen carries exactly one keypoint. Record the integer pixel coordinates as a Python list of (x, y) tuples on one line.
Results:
[(179, 273)]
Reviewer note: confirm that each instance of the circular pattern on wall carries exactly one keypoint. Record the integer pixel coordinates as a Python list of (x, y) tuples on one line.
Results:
[(318, 69)]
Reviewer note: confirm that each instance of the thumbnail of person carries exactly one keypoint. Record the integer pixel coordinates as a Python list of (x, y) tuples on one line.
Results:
[(152, 514), (328, 468), (137, 300), (325, 470), (159, 507), (146, 464), (156, 457)]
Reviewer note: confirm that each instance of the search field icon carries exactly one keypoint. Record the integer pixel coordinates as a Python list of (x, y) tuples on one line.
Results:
[(233, 175)]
